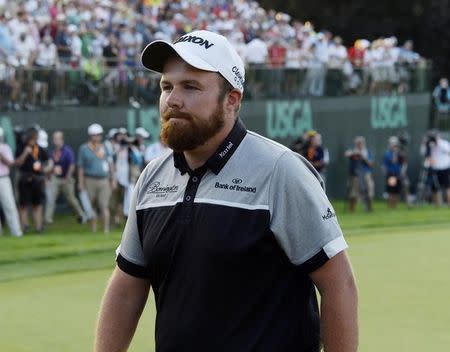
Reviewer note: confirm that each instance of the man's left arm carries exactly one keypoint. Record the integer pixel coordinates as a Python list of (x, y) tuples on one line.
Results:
[(306, 226), (339, 304), (71, 169)]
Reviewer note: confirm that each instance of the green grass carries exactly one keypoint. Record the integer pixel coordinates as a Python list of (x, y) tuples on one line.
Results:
[(51, 284)]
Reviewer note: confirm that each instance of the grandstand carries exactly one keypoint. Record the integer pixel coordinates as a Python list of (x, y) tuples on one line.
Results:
[(83, 52)]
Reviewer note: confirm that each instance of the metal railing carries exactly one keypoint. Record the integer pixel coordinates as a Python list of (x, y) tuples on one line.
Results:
[(39, 87)]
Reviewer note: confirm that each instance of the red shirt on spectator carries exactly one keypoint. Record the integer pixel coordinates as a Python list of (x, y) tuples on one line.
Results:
[(356, 56), (277, 55)]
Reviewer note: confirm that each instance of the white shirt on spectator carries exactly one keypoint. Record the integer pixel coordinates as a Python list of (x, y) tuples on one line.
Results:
[(31, 6), (154, 151), (337, 56), (322, 52), (24, 50), (256, 52), (440, 155), (122, 167), (17, 27), (47, 55), (75, 46), (293, 57)]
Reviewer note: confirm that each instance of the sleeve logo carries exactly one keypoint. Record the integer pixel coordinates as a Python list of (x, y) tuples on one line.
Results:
[(328, 215)]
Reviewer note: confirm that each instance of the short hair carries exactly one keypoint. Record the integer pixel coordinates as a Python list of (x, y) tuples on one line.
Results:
[(225, 88)]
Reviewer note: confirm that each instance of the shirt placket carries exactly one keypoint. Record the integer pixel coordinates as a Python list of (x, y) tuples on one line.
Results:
[(189, 196)]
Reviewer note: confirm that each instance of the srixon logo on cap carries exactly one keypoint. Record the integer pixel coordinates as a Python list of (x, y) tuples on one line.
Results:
[(195, 40)]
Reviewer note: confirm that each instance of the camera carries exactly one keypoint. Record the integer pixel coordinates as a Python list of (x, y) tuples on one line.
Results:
[(403, 139), (430, 142)]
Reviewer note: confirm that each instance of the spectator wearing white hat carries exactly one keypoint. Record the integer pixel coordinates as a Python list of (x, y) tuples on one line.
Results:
[(7, 201), (110, 142), (122, 174), (141, 135), (96, 174)]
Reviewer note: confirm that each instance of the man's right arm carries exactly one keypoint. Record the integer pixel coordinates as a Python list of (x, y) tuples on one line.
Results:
[(121, 308)]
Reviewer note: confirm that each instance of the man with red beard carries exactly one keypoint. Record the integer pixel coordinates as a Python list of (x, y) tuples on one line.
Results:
[(231, 230)]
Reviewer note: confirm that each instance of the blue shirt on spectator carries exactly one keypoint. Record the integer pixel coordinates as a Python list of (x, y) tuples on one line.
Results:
[(95, 163), (63, 158), (6, 42), (359, 165), (393, 162), (441, 97)]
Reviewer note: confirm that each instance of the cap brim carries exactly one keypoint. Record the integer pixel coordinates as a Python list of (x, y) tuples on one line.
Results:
[(155, 55)]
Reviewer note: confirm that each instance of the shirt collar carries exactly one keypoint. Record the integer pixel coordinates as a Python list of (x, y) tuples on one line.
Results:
[(220, 157)]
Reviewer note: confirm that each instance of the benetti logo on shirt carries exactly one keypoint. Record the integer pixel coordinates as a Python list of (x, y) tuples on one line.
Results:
[(329, 215), (196, 40), (235, 187), (160, 191)]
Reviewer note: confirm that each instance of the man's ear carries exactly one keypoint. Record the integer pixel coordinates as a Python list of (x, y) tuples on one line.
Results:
[(233, 100)]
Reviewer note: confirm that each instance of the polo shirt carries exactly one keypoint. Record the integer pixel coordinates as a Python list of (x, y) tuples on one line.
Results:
[(393, 162), (63, 158), (93, 165), (228, 247)]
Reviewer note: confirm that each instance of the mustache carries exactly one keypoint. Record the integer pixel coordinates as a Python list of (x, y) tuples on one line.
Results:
[(171, 114)]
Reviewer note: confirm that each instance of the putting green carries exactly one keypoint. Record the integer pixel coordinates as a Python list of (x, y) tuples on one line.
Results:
[(404, 285), (58, 313), (402, 273)]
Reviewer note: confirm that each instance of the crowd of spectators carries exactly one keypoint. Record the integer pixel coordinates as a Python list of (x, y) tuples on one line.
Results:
[(433, 181), (96, 180), (89, 45)]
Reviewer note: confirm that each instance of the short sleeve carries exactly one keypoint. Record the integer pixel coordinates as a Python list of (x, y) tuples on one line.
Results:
[(8, 155), (302, 218), (71, 155), (80, 156), (130, 256)]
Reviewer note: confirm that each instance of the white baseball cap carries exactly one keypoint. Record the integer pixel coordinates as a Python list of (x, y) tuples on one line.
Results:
[(112, 132), (142, 132), (95, 129), (42, 140), (204, 50)]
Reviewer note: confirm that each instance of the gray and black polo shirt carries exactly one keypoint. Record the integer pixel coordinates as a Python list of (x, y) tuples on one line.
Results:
[(228, 247)]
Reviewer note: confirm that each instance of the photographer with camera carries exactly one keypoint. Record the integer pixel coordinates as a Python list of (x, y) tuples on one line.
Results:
[(129, 161), (360, 183), (394, 167), (436, 151), (32, 162)]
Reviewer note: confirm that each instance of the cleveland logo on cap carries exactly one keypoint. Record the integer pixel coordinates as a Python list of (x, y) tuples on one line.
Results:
[(195, 40), (238, 78)]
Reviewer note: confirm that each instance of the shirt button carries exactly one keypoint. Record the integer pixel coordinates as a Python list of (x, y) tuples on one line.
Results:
[(194, 179), (188, 198)]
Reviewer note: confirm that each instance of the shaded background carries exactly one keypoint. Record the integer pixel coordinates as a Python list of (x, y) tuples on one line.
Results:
[(426, 22)]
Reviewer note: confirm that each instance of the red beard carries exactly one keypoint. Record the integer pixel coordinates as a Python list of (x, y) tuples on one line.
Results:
[(182, 131)]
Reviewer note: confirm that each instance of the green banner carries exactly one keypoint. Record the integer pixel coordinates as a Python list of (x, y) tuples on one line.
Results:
[(339, 120)]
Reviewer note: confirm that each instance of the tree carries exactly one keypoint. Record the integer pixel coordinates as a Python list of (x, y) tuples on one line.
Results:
[(426, 22)]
